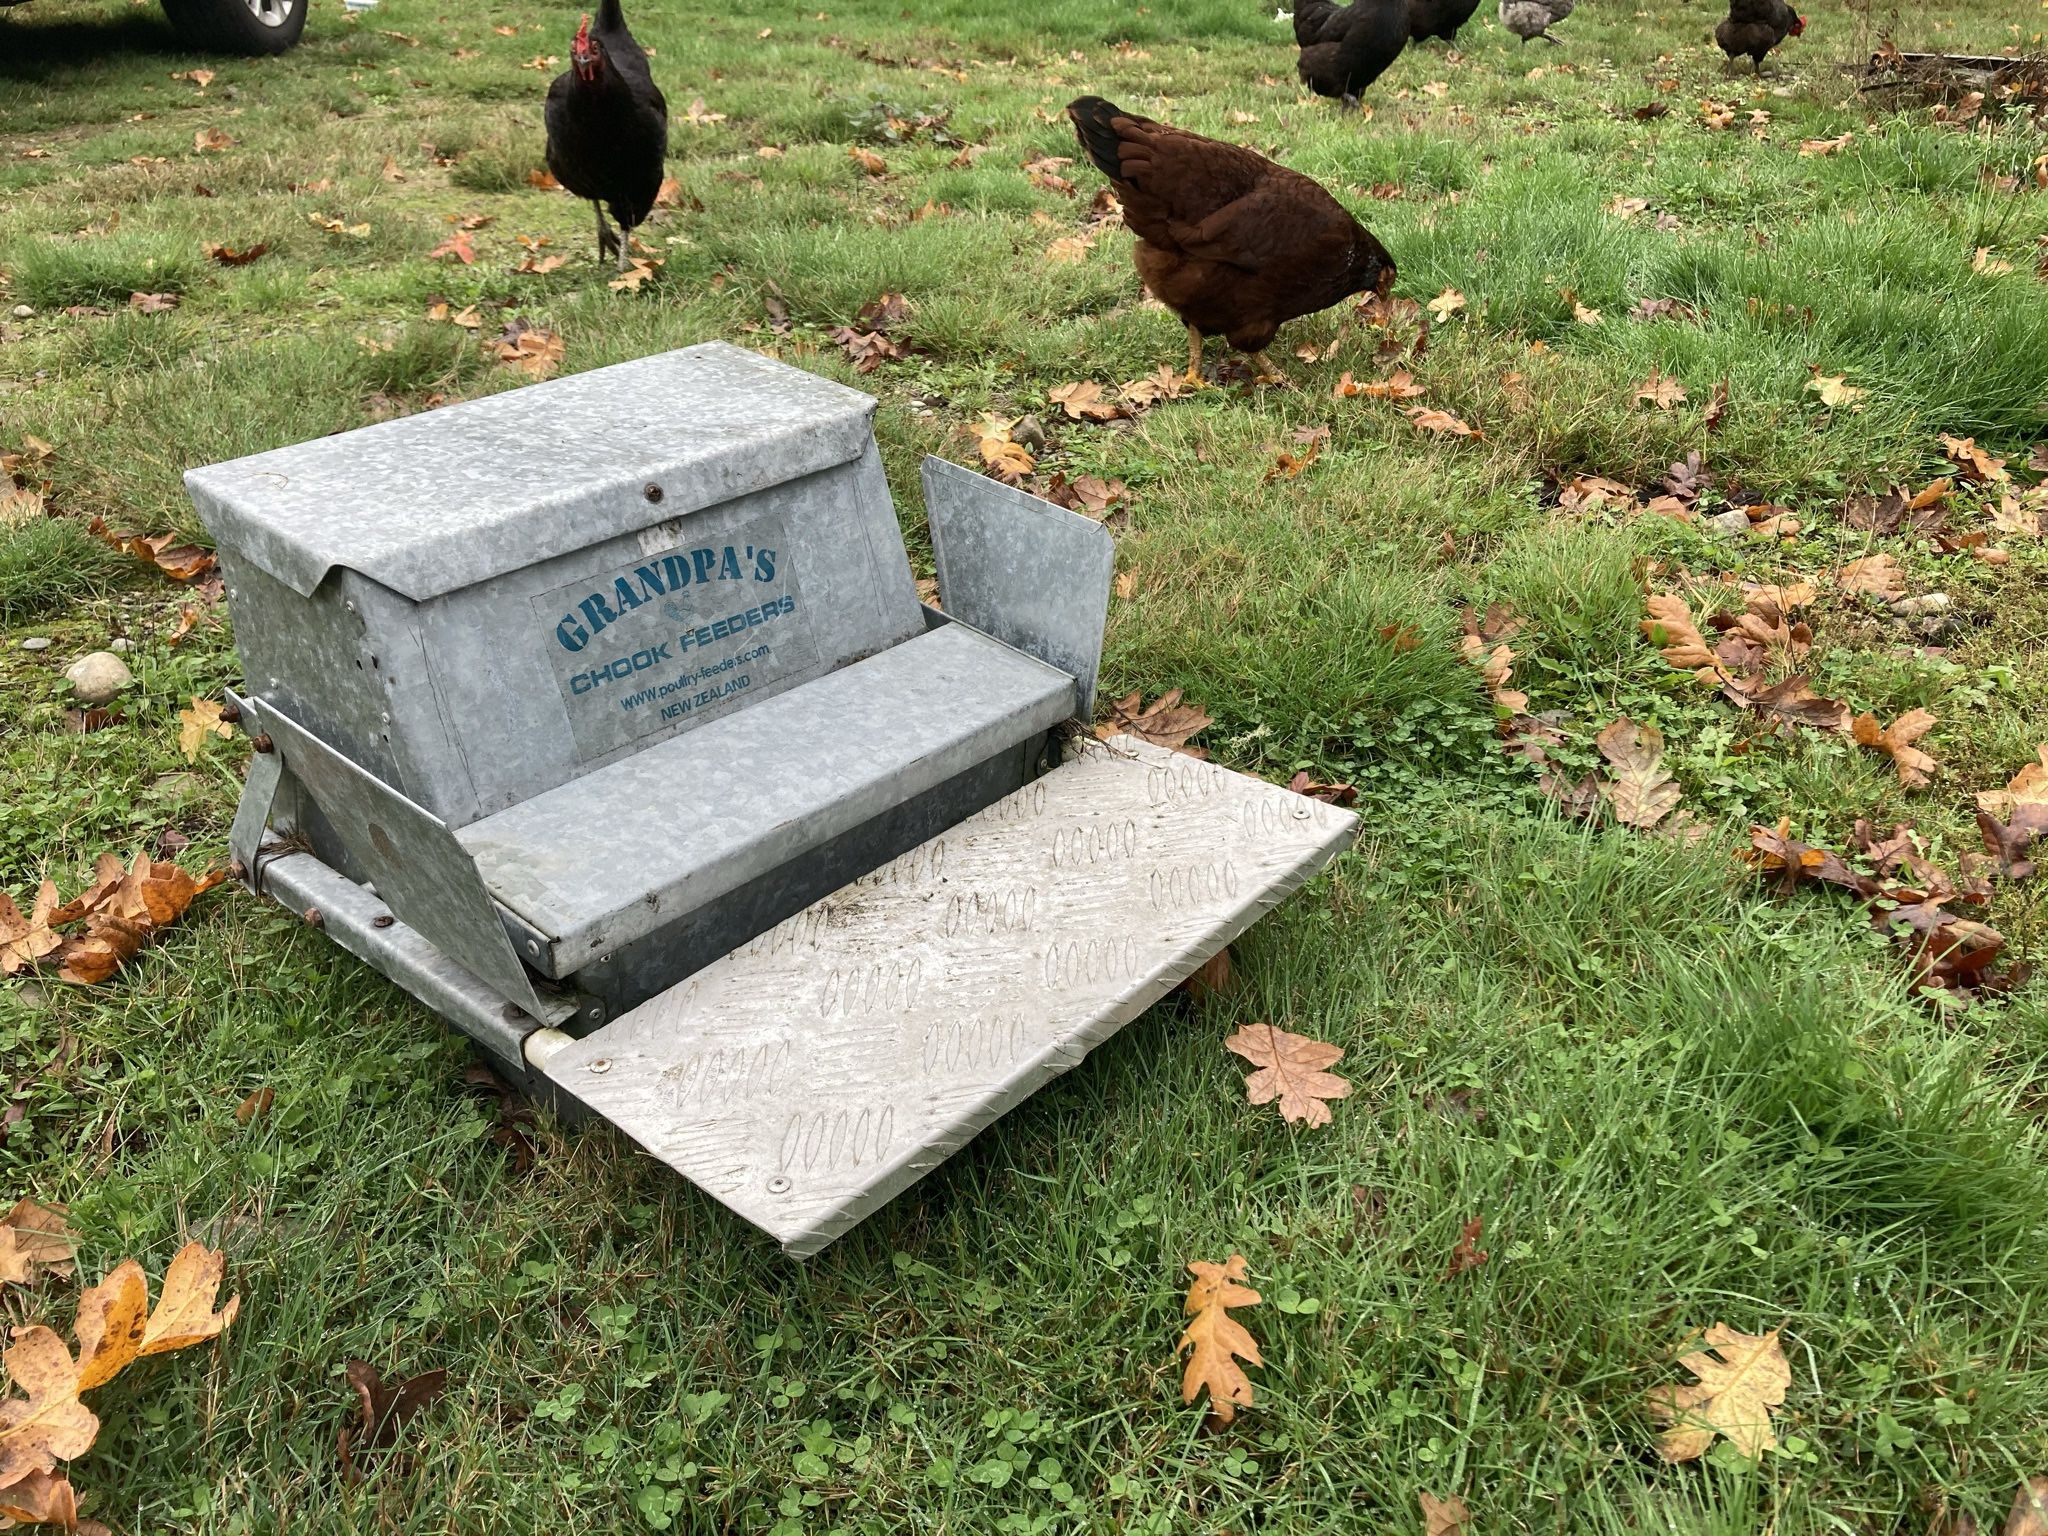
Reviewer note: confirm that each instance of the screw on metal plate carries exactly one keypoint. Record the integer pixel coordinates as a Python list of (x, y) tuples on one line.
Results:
[(601, 1065), (382, 920), (262, 742), (652, 493), (779, 1185), (1301, 813), (237, 870), (533, 946), (232, 713), (514, 1013), (313, 917)]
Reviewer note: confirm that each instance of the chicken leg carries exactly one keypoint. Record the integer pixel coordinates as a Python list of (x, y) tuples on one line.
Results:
[(1193, 378), (607, 242), (1269, 371)]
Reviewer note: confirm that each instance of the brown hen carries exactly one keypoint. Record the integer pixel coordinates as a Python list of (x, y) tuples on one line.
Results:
[(1230, 242)]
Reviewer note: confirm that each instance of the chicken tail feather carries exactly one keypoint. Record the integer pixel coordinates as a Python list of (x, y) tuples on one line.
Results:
[(1095, 123)]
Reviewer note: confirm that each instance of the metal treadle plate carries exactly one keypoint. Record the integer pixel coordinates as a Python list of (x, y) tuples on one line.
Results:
[(816, 1072)]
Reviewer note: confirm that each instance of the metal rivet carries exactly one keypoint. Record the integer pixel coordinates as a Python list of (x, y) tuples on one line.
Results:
[(597, 1013), (262, 741), (382, 920), (602, 1065), (313, 917), (779, 1185), (652, 493), (232, 713), (533, 946), (1301, 813)]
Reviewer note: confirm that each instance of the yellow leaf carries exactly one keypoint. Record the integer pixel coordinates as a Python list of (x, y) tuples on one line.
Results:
[(50, 1424), (1446, 304), (1742, 1377), (867, 160), (2028, 787), (1290, 1070), (184, 1313), (112, 1317), (1215, 1341), (1835, 391), (1877, 574), (197, 723)]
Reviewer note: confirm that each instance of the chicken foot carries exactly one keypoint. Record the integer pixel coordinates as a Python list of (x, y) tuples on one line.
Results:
[(607, 242), (1269, 371), (1193, 377)]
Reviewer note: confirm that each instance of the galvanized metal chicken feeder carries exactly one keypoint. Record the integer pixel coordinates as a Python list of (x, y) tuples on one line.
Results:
[(603, 717)]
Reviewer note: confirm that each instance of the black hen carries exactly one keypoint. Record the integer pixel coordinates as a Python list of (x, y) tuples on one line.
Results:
[(1755, 27), (608, 127), (1439, 18), (1344, 48)]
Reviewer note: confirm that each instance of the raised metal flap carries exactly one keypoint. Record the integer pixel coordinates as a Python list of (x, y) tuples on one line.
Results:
[(432, 503), (418, 868), (817, 1071), (1033, 575)]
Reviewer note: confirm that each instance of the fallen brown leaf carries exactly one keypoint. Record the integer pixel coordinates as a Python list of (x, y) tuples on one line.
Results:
[(1742, 1377), (2029, 1515), (1334, 794), (180, 562), (382, 1409), (1467, 1255), (1429, 420), (534, 352), (1640, 791), (1291, 1071), (1896, 742), (1444, 1517), (1165, 722), (228, 256), (1671, 629), (34, 1239), (1215, 1341), (196, 723), (1878, 575), (1974, 462)]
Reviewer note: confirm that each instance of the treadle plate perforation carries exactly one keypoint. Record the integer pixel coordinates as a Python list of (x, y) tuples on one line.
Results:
[(817, 1071)]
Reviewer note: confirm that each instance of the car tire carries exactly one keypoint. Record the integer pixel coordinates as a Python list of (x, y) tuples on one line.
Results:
[(238, 26)]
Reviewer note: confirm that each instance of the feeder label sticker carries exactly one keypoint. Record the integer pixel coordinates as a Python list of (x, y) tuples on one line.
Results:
[(681, 634)]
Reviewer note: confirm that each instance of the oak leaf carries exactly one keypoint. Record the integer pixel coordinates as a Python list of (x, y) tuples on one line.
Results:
[(1742, 1377), (49, 1424), (1290, 1070), (1165, 722), (1496, 670), (1083, 401), (1791, 702), (35, 1238), (1896, 742), (1836, 391), (382, 1408), (1215, 1341), (1974, 462), (1641, 792), (1671, 629), (534, 352), (180, 562), (1662, 391), (25, 940), (1446, 304)]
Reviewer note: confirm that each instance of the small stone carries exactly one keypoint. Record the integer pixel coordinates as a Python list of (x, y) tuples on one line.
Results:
[(96, 678), (36, 643), (1927, 602), (120, 647), (1729, 523), (1029, 431), (24, 312)]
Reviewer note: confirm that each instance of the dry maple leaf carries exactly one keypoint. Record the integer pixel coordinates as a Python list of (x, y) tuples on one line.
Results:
[(1430, 420), (34, 1238), (1165, 722), (1444, 1517), (210, 141), (1791, 702), (1742, 1377), (2029, 787), (1896, 742), (1446, 304), (1400, 386), (197, 723), (180, 562), (1876, 574), (457, 245), (535, 353), (1671, 629), (1007, 459), (1773, 850), (1290, 1070), (640, 271), (1334, 794), (1083, 401), (229, 256), (25, 940), (1215, 1341), (1974, 462), (1496, 670), (1810, 147), (1836, 391), (1641, 792), (870, 162), (1662, 391), (47, 1498)]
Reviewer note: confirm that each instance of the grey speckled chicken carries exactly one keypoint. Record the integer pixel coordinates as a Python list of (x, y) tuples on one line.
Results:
[(1534, 18)]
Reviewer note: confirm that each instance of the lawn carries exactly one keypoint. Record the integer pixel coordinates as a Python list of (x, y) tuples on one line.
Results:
[(1673, 1094)]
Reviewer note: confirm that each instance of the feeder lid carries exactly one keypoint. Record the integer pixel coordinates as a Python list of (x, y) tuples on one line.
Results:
[(432, 503)]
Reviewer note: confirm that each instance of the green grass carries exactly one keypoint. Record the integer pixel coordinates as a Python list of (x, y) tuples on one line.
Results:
[(1672, 1100)]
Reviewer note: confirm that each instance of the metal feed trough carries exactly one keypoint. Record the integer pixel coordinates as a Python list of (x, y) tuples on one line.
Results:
[(603, 717)]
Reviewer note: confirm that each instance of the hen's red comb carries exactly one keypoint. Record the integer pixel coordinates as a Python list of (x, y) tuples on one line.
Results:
[(583, 33)]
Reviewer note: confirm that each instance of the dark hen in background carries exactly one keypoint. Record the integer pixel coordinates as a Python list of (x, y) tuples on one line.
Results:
[(1755, 27), (1230, 242), (1344, 48), (608, 127), (1534, 18), (1439, 18)]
